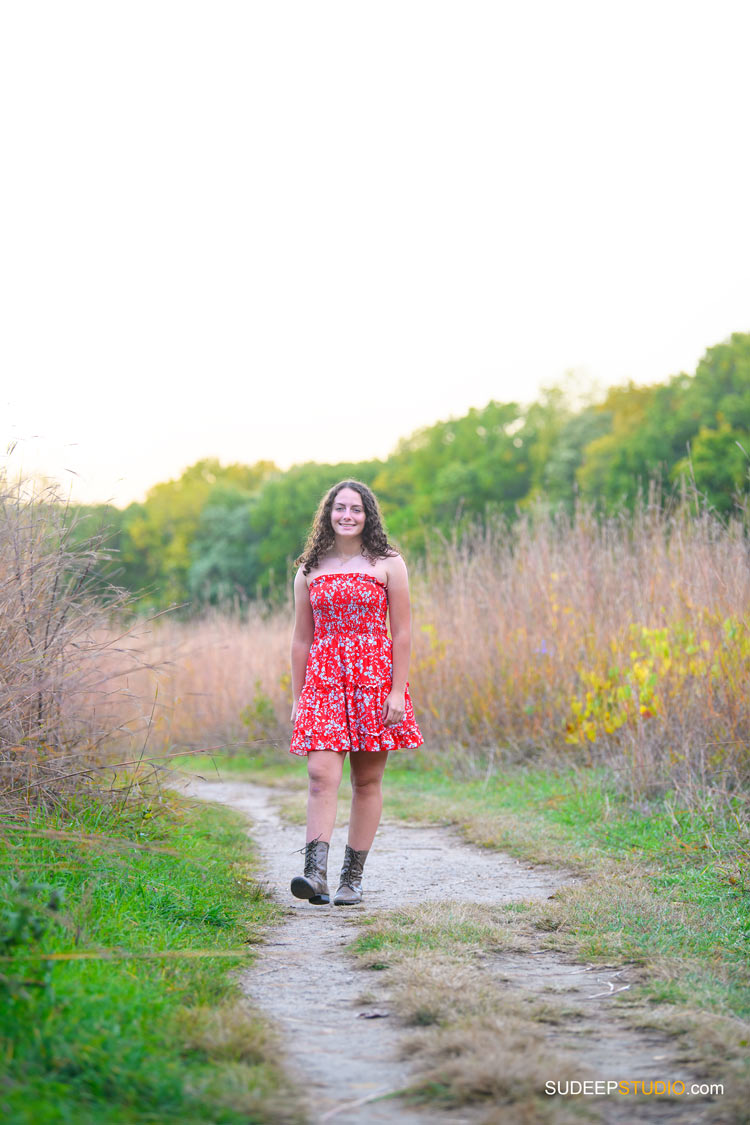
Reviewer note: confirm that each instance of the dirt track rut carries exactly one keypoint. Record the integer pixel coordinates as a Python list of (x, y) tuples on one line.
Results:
[(305, 982)]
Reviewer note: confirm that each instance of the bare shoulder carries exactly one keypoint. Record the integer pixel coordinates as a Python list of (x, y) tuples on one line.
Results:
[(395, 568), (300, 583)]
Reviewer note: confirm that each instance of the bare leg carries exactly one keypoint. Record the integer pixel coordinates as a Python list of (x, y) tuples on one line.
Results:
[(324, 769), (367, 797)]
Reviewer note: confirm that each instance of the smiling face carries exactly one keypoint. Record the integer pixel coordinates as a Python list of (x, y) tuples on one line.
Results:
[(348, 514)]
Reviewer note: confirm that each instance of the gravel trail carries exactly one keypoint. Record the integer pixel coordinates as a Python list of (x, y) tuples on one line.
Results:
[(344, 1057)]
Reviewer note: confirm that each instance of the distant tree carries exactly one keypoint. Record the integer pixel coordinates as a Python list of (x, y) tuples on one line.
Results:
[(652, 427), (224, 551), (284, 511), (720, 391), (614, 463), (455, 471), (224, 532), (163, 530), (558, 471), (718, 464)]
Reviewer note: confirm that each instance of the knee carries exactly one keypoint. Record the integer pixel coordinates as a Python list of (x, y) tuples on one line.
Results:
[(320, 783), (366, 786)]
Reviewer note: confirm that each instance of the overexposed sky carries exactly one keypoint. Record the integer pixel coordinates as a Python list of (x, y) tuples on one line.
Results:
[(298, 231)]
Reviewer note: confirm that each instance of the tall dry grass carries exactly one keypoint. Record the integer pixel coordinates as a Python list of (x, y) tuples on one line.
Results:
[(219, 681), (63, 713), (622, 641)]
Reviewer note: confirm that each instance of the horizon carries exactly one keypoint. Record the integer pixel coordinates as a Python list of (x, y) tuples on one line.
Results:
[(303, 234), (578, 388)]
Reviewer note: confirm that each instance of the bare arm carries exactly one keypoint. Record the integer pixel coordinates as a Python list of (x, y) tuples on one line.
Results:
[(399, 613), (302, 636)]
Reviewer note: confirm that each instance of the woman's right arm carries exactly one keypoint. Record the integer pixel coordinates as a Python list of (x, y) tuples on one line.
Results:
[(302, 637)]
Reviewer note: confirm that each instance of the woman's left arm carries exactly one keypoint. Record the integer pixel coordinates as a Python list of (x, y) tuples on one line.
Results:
[(399, 613)]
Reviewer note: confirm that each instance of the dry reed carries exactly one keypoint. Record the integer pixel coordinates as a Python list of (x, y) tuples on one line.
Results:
[(622, 641), (59, 657)]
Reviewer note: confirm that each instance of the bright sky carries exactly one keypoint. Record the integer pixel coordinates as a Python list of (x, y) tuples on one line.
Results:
[(300, 230)]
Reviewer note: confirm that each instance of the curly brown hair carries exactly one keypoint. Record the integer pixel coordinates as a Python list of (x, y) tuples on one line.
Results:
[(375, 543)]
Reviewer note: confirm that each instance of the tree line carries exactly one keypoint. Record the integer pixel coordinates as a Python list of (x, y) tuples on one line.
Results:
[(228, 533)]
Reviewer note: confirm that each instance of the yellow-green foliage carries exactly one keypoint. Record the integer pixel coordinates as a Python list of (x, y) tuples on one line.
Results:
[(649, 672), (624, 640)]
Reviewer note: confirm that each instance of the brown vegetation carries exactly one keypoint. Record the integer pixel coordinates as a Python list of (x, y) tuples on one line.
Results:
[(623, 641), (618, 641), (64, 712)]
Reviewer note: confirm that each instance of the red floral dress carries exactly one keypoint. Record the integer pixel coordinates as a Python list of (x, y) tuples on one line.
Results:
[(349, 671)]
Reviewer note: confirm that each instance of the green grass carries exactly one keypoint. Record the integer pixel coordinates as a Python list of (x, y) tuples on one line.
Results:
[(266, 766), (124, 1038), (667, 886), (413, 930)]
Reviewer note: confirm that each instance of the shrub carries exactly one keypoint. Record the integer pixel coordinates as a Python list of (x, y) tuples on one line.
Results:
[(59, 658)]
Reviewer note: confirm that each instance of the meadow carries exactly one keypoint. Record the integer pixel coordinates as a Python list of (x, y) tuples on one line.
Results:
[(581, 684), (620, 643)]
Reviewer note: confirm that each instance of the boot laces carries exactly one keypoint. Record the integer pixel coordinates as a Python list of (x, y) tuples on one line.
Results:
[(310, 860), (351, 868), (310, 864)]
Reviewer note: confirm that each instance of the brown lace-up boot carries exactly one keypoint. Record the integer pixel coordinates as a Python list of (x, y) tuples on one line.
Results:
[(350, 880), (313, 885)]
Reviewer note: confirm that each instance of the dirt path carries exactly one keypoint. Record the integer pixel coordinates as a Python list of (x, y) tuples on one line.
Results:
[(306, 983)]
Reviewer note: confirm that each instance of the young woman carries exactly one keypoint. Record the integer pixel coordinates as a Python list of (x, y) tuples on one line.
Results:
[(349, 678)]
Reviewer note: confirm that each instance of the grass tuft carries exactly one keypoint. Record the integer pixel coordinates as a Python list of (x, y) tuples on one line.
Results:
[(145, 1017)]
